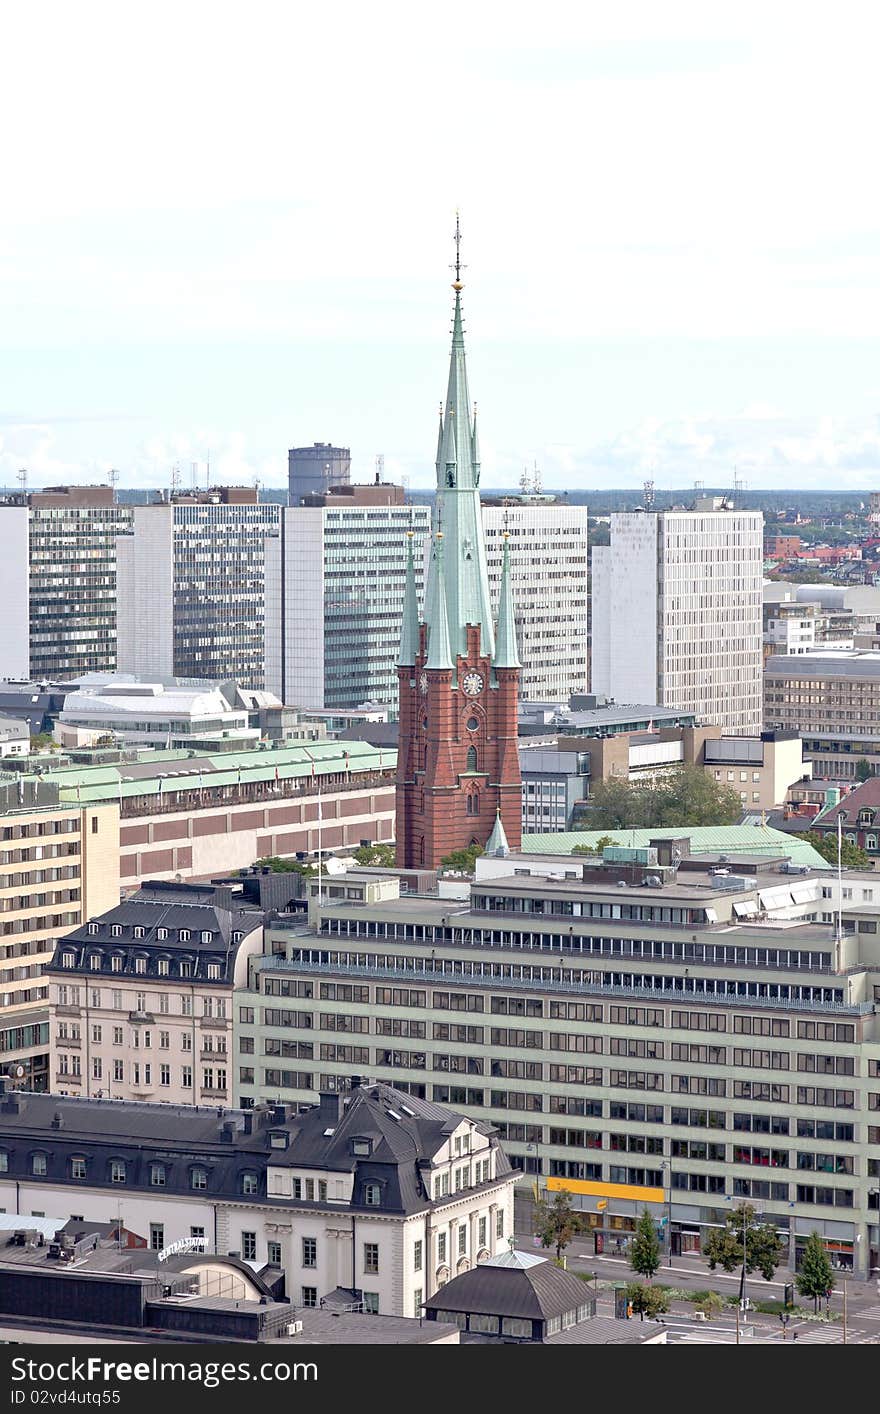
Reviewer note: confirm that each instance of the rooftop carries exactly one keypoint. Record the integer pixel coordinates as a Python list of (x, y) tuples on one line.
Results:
[(704, 839)]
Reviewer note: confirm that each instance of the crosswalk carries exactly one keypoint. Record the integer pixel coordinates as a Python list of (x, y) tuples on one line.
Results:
[(871, 1313), (817, 1333)]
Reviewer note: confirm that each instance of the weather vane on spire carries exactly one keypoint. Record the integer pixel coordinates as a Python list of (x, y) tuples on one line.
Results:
[(457, 267)]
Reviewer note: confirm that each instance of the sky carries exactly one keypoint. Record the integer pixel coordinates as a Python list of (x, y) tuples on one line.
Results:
[(226, 230)]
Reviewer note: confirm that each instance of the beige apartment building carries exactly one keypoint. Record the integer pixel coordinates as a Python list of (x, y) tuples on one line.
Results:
[(833, 700), (141, 995), (59, 864)]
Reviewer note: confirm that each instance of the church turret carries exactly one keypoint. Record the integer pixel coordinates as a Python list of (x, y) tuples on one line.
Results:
[(458, 780), (409, 632)]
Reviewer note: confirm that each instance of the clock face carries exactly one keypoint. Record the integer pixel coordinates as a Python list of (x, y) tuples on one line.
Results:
[(423, 682), (472, 684)]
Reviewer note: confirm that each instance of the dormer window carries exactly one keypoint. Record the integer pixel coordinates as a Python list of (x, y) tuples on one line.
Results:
[(213, 971), (249, 1183), (185, 969), (140, 965), (199, 1178), (140, 932), (206, 937), (362, 1147), (95, 961), (115, 930), (161, 934), (183, 935), (278, 1139), (38, 1165), (93, 928), (237, 937), (68, 959), (117, 1170), (162, 966), (116, 962), (372, 1195)]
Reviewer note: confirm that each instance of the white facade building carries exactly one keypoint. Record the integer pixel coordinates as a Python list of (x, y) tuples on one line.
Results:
[(547, 543), (372, 1193), (152, 714), (677, 612), (191, 587), (334, 601)]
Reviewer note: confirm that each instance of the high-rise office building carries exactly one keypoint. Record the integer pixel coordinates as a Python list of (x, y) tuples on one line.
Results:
[(547, 550), (58, 581), (191, 586), (334, 596), (676, 601), (313, 470), (458, 777)]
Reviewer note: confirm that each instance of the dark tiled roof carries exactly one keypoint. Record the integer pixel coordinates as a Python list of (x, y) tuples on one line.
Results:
[(535, 1293), (864, 797)]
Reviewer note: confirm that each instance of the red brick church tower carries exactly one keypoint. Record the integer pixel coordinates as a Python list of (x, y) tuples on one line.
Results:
[(458, 778)]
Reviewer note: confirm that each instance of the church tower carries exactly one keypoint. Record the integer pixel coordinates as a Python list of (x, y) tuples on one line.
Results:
[(458, 778)]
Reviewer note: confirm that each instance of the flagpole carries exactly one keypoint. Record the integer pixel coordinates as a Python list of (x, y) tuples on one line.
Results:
[(839, 888)]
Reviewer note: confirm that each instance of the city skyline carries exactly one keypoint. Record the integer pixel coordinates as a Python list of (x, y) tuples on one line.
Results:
[(691, 286)]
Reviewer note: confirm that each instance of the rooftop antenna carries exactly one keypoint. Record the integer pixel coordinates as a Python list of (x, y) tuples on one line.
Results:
[(524, 481), (113, 479), (699, 486), (22, 479), (649, 495), (537, 482), (175, 478), (380, 468), (194, 474)]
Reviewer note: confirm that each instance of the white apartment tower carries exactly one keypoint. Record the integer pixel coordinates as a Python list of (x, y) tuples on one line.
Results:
[(548, 554), (191, 587), (677, 608)]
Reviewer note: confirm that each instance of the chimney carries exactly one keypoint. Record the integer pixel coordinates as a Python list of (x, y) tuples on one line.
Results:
[(57, 1120), (330, 1106), (248, 1122)]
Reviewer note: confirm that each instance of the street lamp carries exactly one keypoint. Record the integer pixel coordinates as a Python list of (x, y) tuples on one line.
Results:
[(537, 1150), (667, 1164)]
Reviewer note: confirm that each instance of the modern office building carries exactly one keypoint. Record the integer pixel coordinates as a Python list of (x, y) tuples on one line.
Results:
[(58, 581), (191, 586), (458, 779), (315, 470), (676, 612), (832, 698), (335, 581), (195, 815), (548, 553), (642, 1028), (59, 863), (370, 1199), (140, 996)]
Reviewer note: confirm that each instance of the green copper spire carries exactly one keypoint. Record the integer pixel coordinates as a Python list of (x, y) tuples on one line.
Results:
[(475, 449), (458, 503), (409, 633), (506, 652), (439, 654), (496, 845)]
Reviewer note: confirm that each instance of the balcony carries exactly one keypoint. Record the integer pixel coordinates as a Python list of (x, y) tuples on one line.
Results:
[(213, 1093), (217, 1057), (69, 1042), (215, 1023), (142, 1018), (62, 1078), (67, 1010)]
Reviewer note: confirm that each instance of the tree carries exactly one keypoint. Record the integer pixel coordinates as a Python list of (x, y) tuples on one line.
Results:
[(277, 865), (764, 1246), (864, 769), (644, 1253), (851, 856), (558, 1222), (650, 1301), (378, 854), (815, 1277), (687, 796), (711, 1305), (462, 860), (602, 842)]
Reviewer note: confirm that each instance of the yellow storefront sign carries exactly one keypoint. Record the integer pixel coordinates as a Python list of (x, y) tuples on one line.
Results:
[(632, 1191)]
